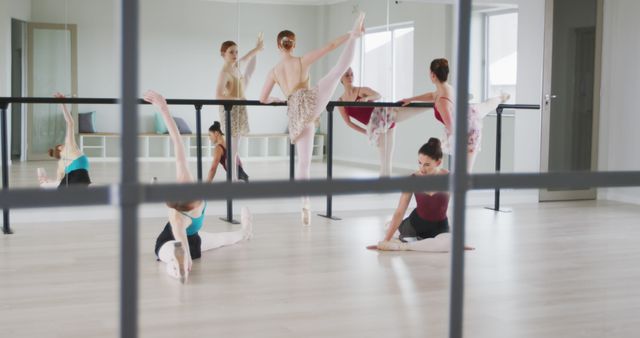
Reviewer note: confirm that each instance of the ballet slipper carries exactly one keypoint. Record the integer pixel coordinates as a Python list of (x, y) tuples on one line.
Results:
[(504, 97), (306, 216), (393, 245), (358, 26), (306, 212), (42, 175)]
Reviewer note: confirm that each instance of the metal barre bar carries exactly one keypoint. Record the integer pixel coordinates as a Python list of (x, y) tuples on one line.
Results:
[(73, 100), (35, 198)]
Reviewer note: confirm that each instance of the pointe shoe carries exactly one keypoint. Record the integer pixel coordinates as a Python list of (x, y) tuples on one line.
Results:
[(247, 223), (42, 175), (393, 245), (306, 216), (504, 97), (242, 175), (178, 253), (358, 26)]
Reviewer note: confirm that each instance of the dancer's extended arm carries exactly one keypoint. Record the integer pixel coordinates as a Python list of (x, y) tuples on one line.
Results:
[(217, 155), (70, 145), (403, 204), (249, 60), (182, 170)]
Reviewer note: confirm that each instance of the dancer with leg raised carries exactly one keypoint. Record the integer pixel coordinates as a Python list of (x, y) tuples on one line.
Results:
[(306, 103), (443, 100)]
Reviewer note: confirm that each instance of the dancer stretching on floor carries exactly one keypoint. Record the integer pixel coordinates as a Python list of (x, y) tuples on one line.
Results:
[(73, 165), (306, 103), (181, 240), (428, 222)]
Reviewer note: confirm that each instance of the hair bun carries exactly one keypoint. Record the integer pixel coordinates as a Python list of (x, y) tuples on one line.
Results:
[(432, 149)]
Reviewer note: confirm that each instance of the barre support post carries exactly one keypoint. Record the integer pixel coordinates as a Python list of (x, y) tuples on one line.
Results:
[(230, 162), (329, 211), (496, 197), (6, 228), (198, 140)]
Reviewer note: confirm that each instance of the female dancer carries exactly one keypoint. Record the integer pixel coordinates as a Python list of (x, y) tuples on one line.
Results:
[(378, 122), (428, 222), (305, 104), (73, 165), (231, 84), (181, 240), (220, 154), (444, 108)]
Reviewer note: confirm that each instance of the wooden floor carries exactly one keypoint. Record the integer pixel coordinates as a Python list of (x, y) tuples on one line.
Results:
[(565, 269)]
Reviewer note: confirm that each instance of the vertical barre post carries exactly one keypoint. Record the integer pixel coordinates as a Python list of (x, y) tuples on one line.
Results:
[(496, 197), (329, 211), (129, 186), (198, 139), (496, 202), (230, 161), (292, 161), (6, 228)]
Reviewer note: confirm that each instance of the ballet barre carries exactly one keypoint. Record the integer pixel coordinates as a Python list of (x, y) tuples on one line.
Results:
[(228, 105), (198, 104), (499, 111)]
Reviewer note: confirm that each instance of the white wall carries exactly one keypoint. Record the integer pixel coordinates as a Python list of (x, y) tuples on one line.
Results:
[(179, 51), (98, 60), (619, 118)]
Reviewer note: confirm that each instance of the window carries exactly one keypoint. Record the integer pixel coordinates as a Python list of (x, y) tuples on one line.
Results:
[(501, 68), (385, 61)]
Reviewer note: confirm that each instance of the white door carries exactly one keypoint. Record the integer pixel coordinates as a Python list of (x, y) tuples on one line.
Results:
[(571, 89)]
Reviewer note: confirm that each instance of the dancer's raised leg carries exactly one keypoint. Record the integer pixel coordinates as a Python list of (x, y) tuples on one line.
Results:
[(490, 105), (216, 240), (327, 85), (405, 113)]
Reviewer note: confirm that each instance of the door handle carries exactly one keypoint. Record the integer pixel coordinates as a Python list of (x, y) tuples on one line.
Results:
[(548, 98)]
